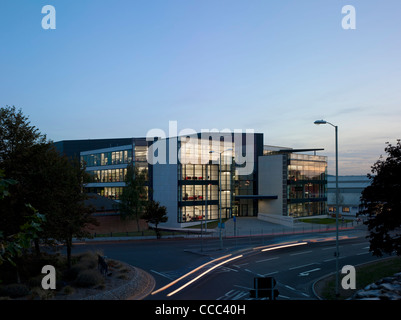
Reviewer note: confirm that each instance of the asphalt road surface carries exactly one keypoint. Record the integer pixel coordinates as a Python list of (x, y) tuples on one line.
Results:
[(228, 274)]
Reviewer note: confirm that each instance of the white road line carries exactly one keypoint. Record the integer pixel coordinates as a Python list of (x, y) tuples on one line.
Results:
[(291, 288), (359, 254), (305, 265), (240, 265), (230, 269), (264, 260), (332, 259), (246, 288), (298, 253), (306, 273), (329, 248), (285, 297), (270, 273), (161, 274)]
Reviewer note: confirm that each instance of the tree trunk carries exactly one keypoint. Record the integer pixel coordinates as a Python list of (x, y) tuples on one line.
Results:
[(69, 246), (37, 247)]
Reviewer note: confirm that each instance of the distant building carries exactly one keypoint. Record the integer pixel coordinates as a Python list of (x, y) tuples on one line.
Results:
[(350, 190)]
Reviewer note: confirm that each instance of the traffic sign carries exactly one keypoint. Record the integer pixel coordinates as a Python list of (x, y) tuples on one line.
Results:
[(264, 288)]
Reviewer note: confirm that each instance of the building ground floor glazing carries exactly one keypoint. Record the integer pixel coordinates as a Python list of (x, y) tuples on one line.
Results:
[(199, 195)]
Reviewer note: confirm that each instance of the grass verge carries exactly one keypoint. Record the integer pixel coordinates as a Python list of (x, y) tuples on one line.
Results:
[(365, 274)]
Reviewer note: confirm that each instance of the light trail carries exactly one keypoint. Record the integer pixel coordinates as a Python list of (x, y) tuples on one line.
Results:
[(202, 274), (285, 246), (189, 273)]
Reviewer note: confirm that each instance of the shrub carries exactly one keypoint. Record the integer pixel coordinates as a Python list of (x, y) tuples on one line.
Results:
[(89, 278), (15, 290), (42, 294), (36, 281), (73, 272), (68, 290)]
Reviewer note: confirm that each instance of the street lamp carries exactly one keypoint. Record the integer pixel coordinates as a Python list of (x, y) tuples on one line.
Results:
[(220, 153), (337, 253)]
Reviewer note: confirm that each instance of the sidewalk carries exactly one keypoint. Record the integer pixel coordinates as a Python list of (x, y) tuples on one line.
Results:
[(243, 227)]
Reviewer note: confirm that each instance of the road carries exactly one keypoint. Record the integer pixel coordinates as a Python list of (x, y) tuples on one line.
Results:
[(295, 268)]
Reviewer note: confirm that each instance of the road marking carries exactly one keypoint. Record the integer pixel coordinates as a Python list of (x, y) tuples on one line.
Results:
[(329, 248), (247, 270), (239, 265), (303, 252), (306, 273), (161, 274), (264, 260), (359, 254), (204, 273), (291, 288), (332, 259), (270, 273), (234, 294), (285, 297), (305, 265), (246, 288)]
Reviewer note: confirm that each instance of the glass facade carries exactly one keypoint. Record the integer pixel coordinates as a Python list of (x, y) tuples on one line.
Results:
[(306, 185), (104, 178), (198, 183), (107, 175), (107, 158)]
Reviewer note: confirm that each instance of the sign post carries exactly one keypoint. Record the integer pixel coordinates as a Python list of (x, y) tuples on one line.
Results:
[(264, 288)]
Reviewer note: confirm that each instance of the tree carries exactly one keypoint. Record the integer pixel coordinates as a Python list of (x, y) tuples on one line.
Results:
[(16, 134), (47, 180), (155, 214), (72, 217), (19, 141), (134, 195), (14, 246), (381, 201)]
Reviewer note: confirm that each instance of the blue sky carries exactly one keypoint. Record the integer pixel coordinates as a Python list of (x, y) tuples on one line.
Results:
[(120, 68)]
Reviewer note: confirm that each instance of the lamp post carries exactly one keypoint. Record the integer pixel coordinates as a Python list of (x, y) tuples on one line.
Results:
[(220, 153), (337, 253)]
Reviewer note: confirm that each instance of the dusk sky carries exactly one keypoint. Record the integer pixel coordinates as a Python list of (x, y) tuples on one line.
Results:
[(114, 69)]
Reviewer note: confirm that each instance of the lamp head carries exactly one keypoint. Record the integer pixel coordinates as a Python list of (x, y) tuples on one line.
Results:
[(320, 122)]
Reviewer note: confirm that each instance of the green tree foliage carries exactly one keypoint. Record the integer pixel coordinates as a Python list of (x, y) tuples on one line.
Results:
[(134, 196), (48, 181), (16, 135), (381, 201), (19, 141), (14, 246), (71, 218), (155, 214)]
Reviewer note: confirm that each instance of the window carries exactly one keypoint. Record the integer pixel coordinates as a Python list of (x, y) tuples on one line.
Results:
[(345, 209)]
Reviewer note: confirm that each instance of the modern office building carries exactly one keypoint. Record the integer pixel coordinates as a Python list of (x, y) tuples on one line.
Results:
[(350, 191), (299, 181), (204, 176)]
